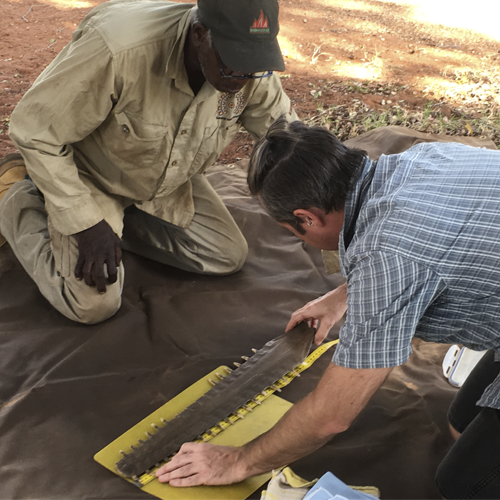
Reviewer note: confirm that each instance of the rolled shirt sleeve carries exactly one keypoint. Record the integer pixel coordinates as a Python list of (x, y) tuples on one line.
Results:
[(387, 296), (267, 103), (69, 100)]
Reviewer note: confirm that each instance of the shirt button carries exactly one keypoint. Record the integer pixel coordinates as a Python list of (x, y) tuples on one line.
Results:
[(174, 163), (126, 129), (183, 132)]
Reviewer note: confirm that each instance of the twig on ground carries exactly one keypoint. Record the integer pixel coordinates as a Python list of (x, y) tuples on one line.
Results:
[(316, 53), (84, 14), (29, 10)]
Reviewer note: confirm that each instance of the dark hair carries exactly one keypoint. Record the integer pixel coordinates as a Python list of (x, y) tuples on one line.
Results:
[(295, 166)]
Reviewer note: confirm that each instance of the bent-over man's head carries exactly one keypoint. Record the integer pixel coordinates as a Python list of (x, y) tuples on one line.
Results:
[(302, 176)]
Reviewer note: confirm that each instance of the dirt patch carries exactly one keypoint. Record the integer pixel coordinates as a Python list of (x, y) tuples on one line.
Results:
[(350, 66)]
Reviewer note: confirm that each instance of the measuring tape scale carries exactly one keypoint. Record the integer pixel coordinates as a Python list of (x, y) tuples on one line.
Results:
[(243, 410)]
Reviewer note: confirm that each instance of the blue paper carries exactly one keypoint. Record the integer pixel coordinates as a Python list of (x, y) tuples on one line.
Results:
[(330, 487)]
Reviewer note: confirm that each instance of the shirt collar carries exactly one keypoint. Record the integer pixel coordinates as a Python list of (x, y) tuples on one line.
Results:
[(354, 199)]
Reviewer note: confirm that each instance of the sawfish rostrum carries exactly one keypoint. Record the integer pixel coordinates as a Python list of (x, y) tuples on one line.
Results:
[(278, 357)]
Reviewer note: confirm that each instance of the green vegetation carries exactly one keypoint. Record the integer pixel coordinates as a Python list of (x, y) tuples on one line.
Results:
[(471, 108)]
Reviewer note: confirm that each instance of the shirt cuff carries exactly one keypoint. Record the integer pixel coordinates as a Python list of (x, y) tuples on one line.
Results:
[(79, 217)]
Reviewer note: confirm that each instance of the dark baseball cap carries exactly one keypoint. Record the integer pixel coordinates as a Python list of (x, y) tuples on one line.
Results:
[(244, 33)]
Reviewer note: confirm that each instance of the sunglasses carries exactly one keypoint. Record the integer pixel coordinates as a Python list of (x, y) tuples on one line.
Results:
[(244, 76)]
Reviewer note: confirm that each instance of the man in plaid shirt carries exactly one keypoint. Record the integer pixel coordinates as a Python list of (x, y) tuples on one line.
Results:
[(418, 239)]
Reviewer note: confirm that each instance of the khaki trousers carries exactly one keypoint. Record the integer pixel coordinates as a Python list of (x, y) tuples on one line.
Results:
[(212, 244)]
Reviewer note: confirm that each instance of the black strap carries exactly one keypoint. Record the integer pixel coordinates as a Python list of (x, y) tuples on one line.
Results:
[(349, 232)]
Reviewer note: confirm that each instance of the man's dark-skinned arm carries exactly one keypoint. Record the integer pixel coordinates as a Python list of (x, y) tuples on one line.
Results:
[(338, 398), (98, 246)]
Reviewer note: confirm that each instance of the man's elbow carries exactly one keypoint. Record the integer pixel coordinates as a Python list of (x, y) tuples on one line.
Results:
[(331, 427)]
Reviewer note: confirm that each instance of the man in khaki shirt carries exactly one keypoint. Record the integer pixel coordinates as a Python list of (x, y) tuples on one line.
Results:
[(116, 134)]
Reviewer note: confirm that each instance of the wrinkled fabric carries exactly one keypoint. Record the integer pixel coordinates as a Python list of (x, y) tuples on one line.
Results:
[(68, 390), (286, 485)]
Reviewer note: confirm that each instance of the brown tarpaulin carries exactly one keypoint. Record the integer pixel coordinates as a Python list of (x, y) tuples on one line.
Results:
[(67, 390)]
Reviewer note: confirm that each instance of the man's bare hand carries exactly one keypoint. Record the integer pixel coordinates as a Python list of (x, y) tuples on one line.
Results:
[(98, 246), (201, 463), (324, 311)]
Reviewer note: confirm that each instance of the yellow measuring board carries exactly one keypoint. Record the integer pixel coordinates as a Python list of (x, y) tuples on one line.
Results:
[(250, 424)]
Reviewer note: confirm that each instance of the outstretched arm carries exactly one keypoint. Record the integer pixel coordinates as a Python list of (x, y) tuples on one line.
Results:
[(338, 398)]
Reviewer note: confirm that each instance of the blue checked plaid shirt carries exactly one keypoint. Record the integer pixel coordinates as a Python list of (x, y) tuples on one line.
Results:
[(425, 257)]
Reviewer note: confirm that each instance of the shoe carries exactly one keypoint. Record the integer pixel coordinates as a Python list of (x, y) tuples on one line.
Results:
[(12, 169)]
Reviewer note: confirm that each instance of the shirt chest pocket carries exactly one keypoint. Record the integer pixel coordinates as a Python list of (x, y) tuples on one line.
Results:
[(132, 141)]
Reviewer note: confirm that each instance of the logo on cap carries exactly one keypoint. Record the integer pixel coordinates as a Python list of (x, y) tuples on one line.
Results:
[(260, 25)]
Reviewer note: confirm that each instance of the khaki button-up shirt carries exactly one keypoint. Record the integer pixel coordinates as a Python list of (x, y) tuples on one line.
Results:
[(115, 107)]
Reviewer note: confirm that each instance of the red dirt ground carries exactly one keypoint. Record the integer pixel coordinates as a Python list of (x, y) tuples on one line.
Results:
[(336, 52)]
